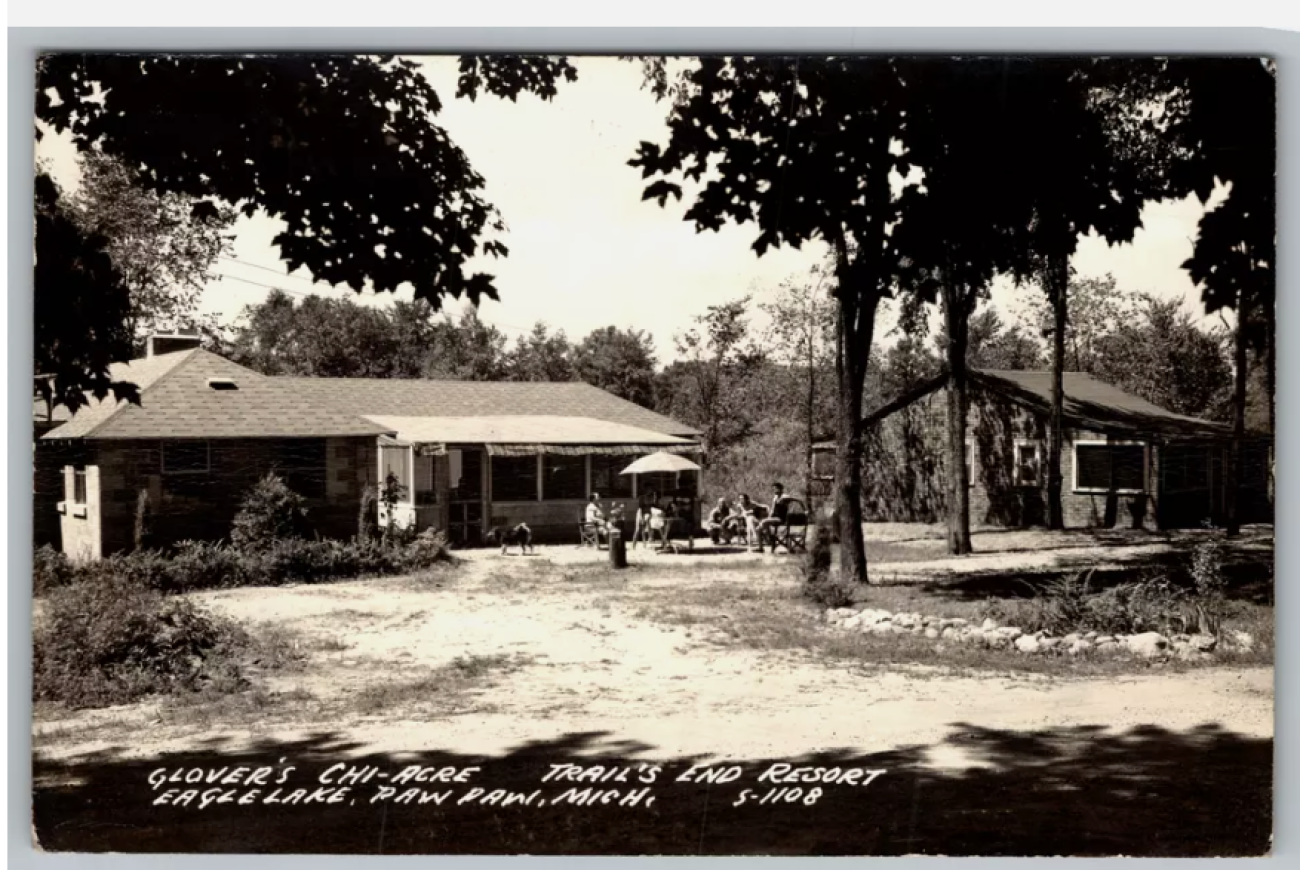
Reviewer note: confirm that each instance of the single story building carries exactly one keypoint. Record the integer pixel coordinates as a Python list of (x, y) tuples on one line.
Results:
[(1124, 461), (468, 455)]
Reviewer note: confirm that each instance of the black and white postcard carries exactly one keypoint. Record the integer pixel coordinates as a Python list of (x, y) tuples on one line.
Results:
[(724, 455)]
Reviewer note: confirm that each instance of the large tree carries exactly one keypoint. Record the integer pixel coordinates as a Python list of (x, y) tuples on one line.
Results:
[(165, 251), (541, 355), (803, 150), (83, 315), (1224, 121), (344, 149), (621, 361)]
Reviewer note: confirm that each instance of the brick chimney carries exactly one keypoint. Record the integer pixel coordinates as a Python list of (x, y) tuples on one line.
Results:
[(181, 339)]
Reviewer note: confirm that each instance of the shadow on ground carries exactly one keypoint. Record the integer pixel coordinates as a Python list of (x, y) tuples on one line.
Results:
[(1077, 791), (1248, 573)]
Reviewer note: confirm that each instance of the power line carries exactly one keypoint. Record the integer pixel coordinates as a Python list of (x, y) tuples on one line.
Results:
[(267, 269)]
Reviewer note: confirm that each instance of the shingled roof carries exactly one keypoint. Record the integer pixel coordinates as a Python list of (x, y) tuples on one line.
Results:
[(1089, 403), (177, 401), (394, 397)]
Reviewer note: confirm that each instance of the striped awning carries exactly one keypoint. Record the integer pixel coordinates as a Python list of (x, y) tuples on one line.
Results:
[(587, 449)]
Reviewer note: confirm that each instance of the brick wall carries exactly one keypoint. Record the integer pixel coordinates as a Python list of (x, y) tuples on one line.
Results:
[(906, 454), (201, 505)]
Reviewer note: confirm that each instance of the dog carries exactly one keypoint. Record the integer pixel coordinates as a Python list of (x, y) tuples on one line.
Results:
[(519, 536)]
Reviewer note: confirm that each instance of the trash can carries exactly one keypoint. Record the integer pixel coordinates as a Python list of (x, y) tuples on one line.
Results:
[(617, 550)]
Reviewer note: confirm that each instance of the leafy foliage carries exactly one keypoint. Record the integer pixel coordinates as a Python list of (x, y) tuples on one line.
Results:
[(270, 512), (344, 149), (541, 356), (82, 307), (163, 244), (621, 361), (115, 640)]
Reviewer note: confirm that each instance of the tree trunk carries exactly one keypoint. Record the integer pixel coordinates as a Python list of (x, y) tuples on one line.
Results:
[(1058, 280), (958, 487), (1232, 476)]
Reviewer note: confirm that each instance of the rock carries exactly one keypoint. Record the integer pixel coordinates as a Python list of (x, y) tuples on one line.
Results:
[(995, 640), (1027, 643), (844, 612), (948, 633), (988, 625), (1010, 632), (1203, 642), (1149, 644), (851, 623), (958, 622), (1091, 635), (1071, 639), (1049, 642), (881, 628), (917, 628), (1242, 640), (898, 629), (1080, 647), (1100, 639), (931, 632)]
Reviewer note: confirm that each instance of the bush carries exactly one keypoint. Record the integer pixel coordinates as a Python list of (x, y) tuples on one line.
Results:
[(113, 641), (270, 512), (830, 592), (50, 570)]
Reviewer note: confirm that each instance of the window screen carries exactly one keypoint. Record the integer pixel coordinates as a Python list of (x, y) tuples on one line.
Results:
[(605, 477), (1109, 466), (565, 477), (397, 462), (301, 464), (184, 457), (514, 478)]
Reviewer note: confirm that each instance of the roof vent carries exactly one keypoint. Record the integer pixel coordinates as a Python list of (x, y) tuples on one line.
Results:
[(222, 384)]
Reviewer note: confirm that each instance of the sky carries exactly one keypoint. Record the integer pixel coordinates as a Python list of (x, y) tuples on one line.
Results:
[(587, 252)]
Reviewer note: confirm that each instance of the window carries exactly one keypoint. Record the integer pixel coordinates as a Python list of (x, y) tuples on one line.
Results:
[(185, 457), (564, 477), (1105, 467), (426, 480), (514, 478), (395, 460), (1028, 459), (79, 486), (301, 464), (688, 483), (970, 461), (605, 477)]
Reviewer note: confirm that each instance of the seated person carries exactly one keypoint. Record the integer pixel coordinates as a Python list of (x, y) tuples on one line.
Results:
[(594, 516), (766, 528), (717, 522)]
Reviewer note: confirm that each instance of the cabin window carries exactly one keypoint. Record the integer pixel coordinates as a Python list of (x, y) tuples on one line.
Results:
[(395, 460), (78, 486), (658, 483), (301, 464), (514, 478), (605, 477), (186, 457), (426, 480), (1101, 466), (564, 477), (1028, 459)]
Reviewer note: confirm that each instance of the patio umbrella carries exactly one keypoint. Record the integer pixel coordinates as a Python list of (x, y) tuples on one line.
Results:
[(660, 462)]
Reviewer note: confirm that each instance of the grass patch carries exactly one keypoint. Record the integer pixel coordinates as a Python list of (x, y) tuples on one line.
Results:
[(443, 689)]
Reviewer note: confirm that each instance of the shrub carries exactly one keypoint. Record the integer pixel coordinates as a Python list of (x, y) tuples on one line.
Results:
[(271, 511), (830, 592), (50, 570), (113, 641), (428, 549)]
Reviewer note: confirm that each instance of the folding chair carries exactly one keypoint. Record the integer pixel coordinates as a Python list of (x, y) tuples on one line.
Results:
[(792, 532), (588, 533)]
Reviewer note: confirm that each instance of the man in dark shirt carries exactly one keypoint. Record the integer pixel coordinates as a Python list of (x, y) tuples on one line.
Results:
[(775, 517)]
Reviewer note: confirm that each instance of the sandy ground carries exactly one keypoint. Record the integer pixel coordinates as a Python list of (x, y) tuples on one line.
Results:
[(589, 662)]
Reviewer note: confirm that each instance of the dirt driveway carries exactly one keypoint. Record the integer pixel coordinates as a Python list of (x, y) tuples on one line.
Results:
[(566, 654), (518, 664)]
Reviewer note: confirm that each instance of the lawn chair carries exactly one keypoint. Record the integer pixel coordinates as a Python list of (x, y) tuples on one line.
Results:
[(588, 533), (792, 533)]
